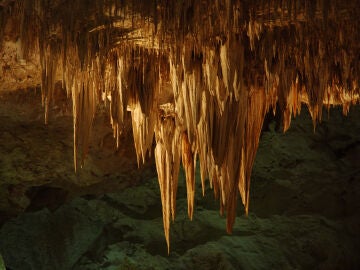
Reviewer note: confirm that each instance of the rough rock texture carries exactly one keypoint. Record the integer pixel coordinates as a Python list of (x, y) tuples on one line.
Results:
[(16, 72), (36, 167), (303, 210)]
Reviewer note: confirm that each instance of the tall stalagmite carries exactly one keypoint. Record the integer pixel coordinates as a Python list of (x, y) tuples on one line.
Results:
[(199, 76)]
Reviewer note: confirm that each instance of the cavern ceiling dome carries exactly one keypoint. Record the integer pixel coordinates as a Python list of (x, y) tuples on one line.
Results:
[(196, 77)]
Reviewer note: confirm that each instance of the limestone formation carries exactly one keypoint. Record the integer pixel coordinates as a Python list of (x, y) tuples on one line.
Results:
[(196, 77)]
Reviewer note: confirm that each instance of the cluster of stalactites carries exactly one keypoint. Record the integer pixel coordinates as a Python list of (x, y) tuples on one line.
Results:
[(199, 77)]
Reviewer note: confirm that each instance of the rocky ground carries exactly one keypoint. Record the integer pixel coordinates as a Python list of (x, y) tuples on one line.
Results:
[(304, 209)]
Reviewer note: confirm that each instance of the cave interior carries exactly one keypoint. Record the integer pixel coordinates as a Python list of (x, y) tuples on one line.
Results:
[(162, 134)]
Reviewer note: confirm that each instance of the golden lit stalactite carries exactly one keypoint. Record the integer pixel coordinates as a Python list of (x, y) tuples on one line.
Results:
[(36, 35), (112, 94), (203, 138), (293, 105), (83, 79), (143, 86), (167, 157), (143, 126), (227, 140), (49, 61), (189, 167), (256, 110)]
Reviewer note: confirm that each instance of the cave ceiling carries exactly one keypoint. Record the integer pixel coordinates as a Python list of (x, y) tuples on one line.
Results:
[(196, 78)]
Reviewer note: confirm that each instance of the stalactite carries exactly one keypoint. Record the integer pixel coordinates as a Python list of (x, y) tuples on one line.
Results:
[(143, 79), (167, 157), (197, 75), (253, 124), (189, 166)]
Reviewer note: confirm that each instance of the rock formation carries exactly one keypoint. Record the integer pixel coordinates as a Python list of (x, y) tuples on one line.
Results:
[(197, 77)]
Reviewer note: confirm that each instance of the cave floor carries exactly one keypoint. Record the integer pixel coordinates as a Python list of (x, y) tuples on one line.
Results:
[(304, 208)]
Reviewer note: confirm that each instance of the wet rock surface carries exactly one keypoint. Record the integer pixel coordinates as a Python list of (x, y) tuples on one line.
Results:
[(303, 210)]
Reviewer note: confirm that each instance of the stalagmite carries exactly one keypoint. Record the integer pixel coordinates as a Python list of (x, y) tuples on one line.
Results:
[(199, 76)]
